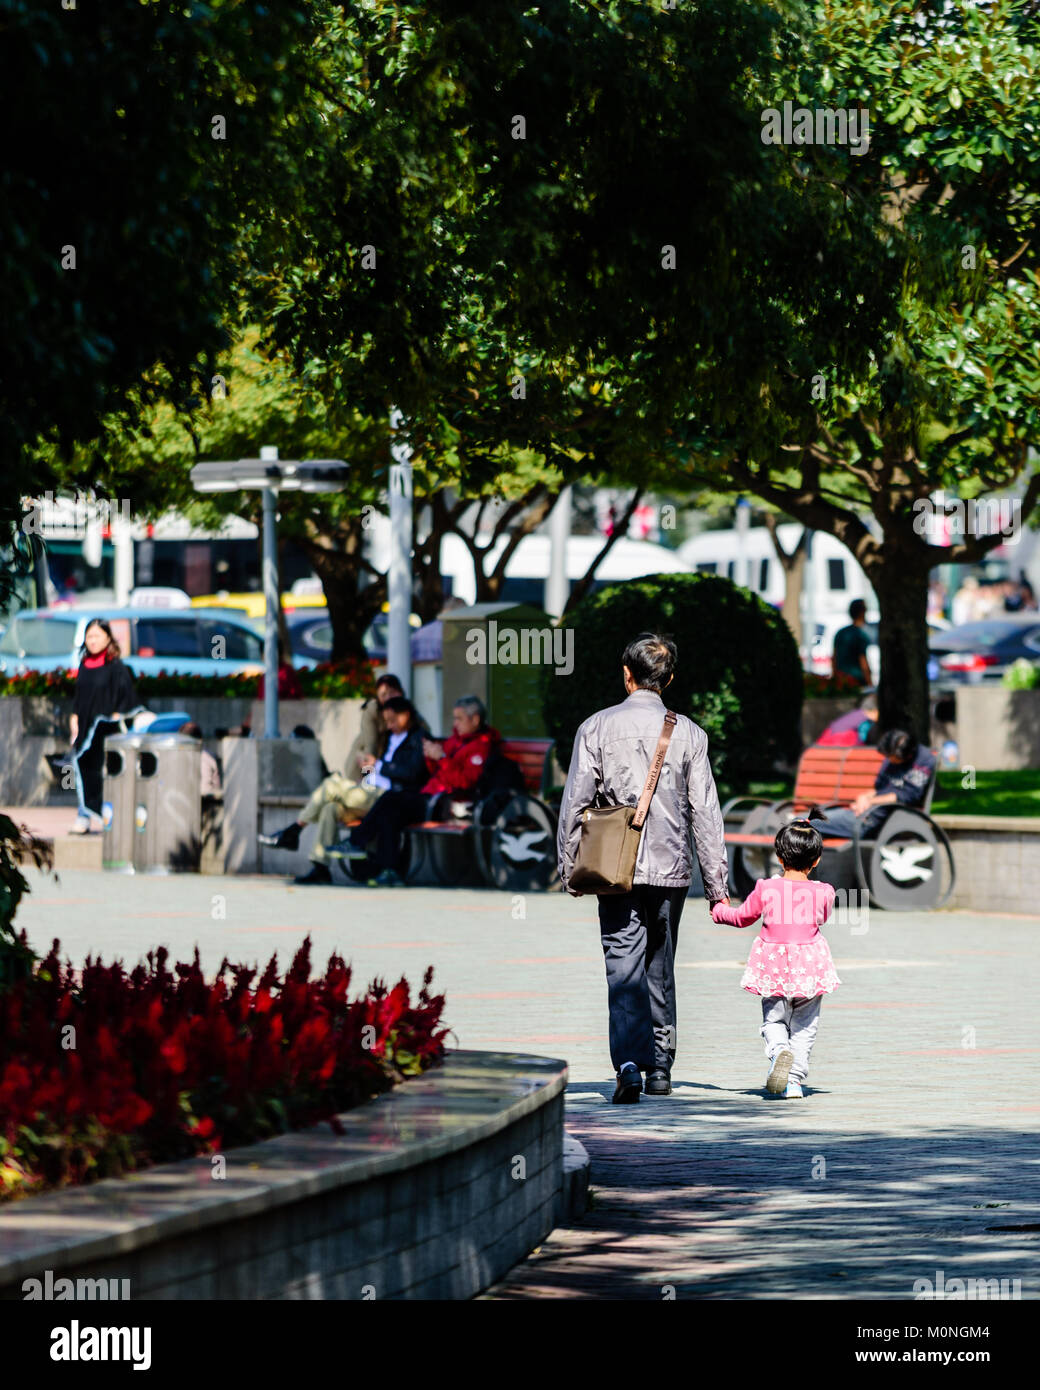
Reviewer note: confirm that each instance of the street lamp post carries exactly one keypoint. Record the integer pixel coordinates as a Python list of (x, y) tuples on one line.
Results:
[(270, 476), (399, 577)]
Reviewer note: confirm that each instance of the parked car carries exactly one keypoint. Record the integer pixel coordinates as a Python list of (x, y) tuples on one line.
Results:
[(310, 634), (310, 631), (178, 641), (983, 650)]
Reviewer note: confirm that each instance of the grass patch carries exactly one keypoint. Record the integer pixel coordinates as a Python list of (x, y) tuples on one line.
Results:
[(994, 794)]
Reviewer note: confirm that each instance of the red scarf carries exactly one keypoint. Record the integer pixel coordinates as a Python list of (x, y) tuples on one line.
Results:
[(93, 662)]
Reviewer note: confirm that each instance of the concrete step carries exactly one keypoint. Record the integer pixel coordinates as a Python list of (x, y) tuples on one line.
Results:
[(572, 1201), (53, 823)]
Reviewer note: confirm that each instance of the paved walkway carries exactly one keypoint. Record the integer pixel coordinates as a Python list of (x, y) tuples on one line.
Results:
[(915, 1152)]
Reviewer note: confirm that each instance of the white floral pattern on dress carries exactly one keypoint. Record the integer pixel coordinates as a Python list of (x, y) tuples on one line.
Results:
[(805, 970)]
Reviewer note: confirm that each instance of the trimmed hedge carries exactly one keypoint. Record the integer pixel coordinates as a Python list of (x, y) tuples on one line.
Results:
[(349, 679), (738, 676)]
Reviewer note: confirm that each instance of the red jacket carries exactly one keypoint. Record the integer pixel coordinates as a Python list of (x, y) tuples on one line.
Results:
[(463, 762)]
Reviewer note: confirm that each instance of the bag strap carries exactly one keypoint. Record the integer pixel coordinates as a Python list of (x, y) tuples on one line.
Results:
[(656, 764)]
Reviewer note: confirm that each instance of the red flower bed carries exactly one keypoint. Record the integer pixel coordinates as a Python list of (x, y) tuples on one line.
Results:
[(113, 1071)]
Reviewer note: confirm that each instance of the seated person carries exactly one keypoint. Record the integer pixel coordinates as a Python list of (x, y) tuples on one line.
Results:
[(902, 779), (456, 764), (850, 730), (342, 796), (209, 772)]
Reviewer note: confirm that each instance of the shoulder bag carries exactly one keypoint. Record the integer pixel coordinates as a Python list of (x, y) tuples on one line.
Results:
[(606, 858)]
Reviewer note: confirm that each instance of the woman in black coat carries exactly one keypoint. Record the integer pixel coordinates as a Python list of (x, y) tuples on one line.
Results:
[(104, 695)]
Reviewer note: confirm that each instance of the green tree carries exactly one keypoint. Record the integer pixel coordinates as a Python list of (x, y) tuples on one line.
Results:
[(948, 399), (123, 200)]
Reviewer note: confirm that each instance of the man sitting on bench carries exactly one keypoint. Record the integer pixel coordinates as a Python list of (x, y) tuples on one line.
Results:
[(459, 762), (902, 779), (340, 796)]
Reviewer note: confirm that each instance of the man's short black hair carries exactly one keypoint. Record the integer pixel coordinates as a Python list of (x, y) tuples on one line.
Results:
[(651, 659), (857, 609), (798, 845), (400, 704), (897, 744)]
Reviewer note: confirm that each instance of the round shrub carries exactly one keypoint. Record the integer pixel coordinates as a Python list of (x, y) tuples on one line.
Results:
[(738, 675)]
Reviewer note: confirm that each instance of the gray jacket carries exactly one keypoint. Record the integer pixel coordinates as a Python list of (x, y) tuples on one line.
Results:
[(612, 753)]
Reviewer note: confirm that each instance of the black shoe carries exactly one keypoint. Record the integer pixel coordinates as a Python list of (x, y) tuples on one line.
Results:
[(658, 1083), (319, 873), (287, 838), (629, 1084)]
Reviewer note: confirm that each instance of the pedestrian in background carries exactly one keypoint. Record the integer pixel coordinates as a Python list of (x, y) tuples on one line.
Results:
[(851, 644), (104, 695), (639, 929)]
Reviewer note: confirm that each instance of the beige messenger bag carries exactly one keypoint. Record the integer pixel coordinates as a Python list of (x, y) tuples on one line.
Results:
[(606, 858)]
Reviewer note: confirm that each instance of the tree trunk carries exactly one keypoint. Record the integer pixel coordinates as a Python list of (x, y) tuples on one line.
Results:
[(350, 610), (793, 566), (794, 582), (901, 584)]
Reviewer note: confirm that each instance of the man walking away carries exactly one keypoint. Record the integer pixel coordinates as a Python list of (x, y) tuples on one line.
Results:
[(639, 929), (851, 644)]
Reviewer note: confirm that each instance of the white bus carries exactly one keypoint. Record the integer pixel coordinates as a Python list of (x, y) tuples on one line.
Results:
[(832, 578)]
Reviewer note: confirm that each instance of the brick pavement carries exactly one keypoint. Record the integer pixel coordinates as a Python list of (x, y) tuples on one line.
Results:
[(915, 1150)]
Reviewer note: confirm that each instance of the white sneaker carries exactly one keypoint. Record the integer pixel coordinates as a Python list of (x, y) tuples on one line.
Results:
[(794, 1091), (80, 826), (97, 825)]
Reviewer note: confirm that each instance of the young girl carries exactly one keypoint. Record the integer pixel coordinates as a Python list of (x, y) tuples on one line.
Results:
[(790, 964)]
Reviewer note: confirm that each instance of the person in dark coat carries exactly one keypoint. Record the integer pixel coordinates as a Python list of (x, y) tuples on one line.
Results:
[(104, 695), (401, 770), (459, 763)]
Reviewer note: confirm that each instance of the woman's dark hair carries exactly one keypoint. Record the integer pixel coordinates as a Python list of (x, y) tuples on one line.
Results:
[(113, 651), (798, 845), (400, 704), (387, 679), (651, 659), (897, 744)]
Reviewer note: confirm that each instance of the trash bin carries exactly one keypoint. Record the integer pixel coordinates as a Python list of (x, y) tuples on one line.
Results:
[(120, 771), (168, 805)]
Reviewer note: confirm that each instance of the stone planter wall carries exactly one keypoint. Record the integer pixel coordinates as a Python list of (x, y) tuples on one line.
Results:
[(35, 727), (434, 1191), (998, 863), (998, 729)]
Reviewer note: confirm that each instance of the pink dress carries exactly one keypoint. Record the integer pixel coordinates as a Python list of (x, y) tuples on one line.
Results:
[(789, 957)]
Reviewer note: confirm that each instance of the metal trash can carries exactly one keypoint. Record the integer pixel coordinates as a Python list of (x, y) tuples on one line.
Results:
[(168, 805), (118, 801)]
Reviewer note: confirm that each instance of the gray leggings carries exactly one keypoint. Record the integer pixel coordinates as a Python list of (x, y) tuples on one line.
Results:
[(791, 1024)]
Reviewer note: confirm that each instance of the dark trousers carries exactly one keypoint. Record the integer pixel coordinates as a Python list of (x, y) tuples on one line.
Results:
[(90, 769), (639, 932), (841, 821), (380, 831)]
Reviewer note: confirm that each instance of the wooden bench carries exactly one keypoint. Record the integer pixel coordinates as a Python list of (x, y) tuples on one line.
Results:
[(506, 842), (906, 863)]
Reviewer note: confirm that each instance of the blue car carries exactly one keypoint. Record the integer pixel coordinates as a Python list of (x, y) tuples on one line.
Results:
[(180, 641)]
